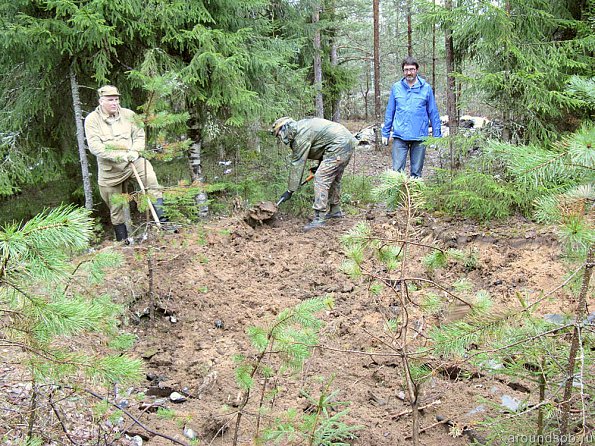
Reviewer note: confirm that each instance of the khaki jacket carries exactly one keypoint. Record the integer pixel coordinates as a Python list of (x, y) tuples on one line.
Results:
[(110, 139), (318, 139)]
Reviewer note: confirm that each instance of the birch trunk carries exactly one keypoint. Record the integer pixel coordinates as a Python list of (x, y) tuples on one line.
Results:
[(80, 138), (194, 159)]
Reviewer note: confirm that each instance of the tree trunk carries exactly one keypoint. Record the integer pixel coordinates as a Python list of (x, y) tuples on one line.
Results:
[(434, 52), (336, 106), (506, 115), (580, 314), (317, 62), (194, 158), (409, 30), (377, 110), (334, 59), (451, 105), (80, 138)]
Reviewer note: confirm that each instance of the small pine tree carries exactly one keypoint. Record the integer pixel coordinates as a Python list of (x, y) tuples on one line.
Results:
[(285, 345), (44, 311)]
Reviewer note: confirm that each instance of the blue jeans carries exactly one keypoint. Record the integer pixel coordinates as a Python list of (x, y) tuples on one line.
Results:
[(417, 152)]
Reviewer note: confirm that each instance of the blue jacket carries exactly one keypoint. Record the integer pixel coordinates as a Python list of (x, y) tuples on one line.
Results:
[(409, 110)]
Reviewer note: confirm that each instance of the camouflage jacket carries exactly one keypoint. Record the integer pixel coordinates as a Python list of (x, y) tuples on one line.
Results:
[(318, 139)]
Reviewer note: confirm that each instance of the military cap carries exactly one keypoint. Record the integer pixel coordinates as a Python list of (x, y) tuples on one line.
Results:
[(108, 90)]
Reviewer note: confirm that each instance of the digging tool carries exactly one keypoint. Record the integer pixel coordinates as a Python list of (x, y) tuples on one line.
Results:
[(308, 178), (144, 191)]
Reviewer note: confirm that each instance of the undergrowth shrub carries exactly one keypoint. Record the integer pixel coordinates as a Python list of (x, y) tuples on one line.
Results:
[(473, 194)]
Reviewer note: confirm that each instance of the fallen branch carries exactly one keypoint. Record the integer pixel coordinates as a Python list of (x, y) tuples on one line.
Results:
[(409, 411), (129, 415)]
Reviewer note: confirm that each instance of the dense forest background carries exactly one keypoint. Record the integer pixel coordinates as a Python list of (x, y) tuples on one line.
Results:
[(209, 77)]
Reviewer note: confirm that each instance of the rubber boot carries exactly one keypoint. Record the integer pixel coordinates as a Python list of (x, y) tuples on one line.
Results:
[(317, 222), (165, 224), (158, 205), (121, 233), (334, 212)]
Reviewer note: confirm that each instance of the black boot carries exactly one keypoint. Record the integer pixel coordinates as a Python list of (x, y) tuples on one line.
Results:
[(317, 222), (121, 232), (158, 205), (165, 224), (334, 212)]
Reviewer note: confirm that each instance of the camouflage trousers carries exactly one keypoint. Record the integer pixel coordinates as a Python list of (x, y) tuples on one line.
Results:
[(327, 182)]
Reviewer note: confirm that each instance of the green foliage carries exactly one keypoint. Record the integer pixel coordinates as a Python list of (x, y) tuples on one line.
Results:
[(97, 265), (431, 303), (473, 194), (463, 285), (322, 425), (467, 259), (356, 190), (435, 259), (522, 60), (166, 414), (583, 89), (563, 175), (398, 189), (285, 344), (578, 235), (419, 372), (43, 308), (123, 342)]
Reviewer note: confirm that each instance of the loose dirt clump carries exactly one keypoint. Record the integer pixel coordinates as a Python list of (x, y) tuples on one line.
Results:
[(261, 213)]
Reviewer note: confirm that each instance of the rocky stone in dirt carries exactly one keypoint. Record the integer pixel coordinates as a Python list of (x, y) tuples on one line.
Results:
[(189, 433), (510, 403), (177, 397)]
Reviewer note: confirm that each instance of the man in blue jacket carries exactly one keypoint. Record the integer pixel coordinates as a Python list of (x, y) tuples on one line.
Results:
[(410, 108)]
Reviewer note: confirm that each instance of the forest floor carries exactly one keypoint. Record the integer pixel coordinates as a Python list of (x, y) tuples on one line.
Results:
[(210, 284)]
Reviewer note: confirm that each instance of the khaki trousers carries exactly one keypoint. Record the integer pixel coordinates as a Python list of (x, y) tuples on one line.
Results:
[(147, 176)]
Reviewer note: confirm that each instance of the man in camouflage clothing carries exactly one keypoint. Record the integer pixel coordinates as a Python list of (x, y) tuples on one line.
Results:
[(329, 143)]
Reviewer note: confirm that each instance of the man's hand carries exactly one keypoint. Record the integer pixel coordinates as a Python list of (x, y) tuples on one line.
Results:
[(385, 140), (132, 156), (286, 196)]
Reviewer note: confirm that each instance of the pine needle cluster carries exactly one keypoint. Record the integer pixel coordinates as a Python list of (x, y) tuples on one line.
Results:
[(399, 189), (41, 308), (321, 424)]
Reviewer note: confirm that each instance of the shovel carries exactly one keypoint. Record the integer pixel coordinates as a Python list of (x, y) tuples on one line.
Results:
[(144, 191), (309, 178)]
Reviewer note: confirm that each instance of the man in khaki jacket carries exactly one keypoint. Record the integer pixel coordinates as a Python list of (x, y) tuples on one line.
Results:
[(117, 141)]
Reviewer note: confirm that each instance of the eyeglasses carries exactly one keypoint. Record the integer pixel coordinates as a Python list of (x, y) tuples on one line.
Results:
[(409, 70)]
